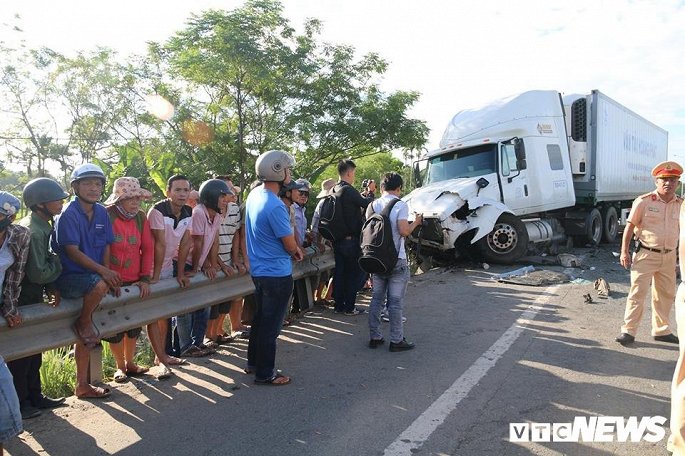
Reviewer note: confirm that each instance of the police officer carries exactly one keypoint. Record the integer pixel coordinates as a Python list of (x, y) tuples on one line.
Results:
[(653, 221)]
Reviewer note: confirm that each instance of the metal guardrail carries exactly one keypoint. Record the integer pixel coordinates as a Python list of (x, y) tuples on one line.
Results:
[(45, 327)]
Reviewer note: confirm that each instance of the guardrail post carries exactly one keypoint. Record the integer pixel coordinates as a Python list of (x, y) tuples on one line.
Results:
[(304, 293), (95, 366)]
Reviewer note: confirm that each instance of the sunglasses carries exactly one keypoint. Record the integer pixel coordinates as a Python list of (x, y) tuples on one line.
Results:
[(304, 194)]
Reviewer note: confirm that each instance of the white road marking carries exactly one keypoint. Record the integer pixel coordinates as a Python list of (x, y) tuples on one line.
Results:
[(421, 429)]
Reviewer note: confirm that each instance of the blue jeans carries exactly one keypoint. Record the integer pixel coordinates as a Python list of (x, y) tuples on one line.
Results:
[(391, 287), (348, 277), (272, 295), (10, 417), (191, 328)]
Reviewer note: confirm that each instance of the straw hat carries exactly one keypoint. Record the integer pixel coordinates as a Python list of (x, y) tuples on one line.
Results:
[(125, 188)]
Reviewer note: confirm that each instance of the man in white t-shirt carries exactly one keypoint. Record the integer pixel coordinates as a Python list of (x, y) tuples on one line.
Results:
[(394, 285)]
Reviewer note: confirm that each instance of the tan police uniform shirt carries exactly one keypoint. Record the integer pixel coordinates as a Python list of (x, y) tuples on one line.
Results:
[(656, 221)]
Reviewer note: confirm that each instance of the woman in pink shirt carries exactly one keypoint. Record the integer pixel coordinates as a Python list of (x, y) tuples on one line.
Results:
[(132, 256)]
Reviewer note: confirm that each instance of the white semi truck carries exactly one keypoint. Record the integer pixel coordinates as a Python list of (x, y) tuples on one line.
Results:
[(533, 168)]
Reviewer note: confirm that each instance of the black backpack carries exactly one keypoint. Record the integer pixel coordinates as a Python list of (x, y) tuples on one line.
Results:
[(379, 254), (332, 225)]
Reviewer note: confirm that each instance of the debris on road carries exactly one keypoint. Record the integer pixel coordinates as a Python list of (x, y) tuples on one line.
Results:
[(568, 260), (516, 272), (539, 278), (580, 281), (602, 287)]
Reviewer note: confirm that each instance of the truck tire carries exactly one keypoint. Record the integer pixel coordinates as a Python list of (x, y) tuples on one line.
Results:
[(507, 242), (610, 225), (593, 227)]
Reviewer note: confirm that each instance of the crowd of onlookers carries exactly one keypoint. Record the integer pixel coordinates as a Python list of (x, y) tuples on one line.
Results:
[(84, 249)]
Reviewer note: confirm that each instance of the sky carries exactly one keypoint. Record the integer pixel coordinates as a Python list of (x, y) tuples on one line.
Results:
[(457, 53)]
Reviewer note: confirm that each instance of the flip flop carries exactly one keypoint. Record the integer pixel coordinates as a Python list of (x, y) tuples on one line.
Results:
[(173, 361), (137, 372), (195, 352), (89, 341), (96, 392), (276, 380), (224, 339), (120, 376)]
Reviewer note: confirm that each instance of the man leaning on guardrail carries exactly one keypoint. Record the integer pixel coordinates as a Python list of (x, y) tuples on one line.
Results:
[(82, 236), (45, 198)]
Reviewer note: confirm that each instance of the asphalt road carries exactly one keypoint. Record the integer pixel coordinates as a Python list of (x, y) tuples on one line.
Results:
[(488, 354)]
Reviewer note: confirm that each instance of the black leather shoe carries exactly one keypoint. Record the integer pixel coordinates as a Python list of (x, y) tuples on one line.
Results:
[(401, 346), (28, 411), (670, 338), (48, 402), (374, 343), (625, 339)]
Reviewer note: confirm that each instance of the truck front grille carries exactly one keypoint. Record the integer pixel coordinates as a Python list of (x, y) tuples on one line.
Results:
[(431, 231)]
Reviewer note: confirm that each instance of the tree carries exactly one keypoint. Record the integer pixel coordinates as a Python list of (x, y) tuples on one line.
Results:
[(29, 136), (267, 87)]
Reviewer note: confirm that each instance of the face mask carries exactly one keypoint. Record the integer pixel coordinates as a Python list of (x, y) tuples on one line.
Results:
[(4, 223), (124, 214)]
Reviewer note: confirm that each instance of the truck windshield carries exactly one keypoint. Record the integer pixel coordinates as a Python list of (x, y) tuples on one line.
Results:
[(471, 162)]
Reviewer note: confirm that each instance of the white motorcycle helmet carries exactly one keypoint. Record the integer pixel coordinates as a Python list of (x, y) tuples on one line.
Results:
[(271, 166)]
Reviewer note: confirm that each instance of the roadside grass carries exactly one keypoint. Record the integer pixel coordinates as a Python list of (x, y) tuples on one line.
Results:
[(58, 371)]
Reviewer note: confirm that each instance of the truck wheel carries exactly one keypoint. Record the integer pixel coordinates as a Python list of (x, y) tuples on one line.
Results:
[(610, 219), (593, 227), (507, 242)]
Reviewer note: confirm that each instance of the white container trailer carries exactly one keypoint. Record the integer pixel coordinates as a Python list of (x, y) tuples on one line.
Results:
[(534, 167)]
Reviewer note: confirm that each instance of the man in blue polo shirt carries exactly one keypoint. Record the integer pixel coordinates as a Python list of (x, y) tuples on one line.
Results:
[(270, 246), (83, 234)]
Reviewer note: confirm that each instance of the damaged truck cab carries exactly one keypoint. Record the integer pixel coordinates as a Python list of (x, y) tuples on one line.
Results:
[(533, 168)]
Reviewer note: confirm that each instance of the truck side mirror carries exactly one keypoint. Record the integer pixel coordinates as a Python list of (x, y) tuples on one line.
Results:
[(417, 175), (482, 183), (520, 152)]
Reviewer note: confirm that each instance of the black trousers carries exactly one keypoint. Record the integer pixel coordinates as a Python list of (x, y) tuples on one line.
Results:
[(26, 373)]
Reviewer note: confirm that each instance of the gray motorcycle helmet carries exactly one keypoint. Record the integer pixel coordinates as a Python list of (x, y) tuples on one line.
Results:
[(42, 190)]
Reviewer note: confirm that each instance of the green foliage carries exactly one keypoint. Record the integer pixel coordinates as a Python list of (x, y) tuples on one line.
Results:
[(58, 370), (369, 167), (241, 81)]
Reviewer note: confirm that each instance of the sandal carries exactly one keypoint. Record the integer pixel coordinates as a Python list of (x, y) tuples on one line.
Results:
[(137, 372), (194, 352), (120, 376), (90, 341), (95, 392), (276, 380), (224, 339), (173, 361), (210, 344)]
